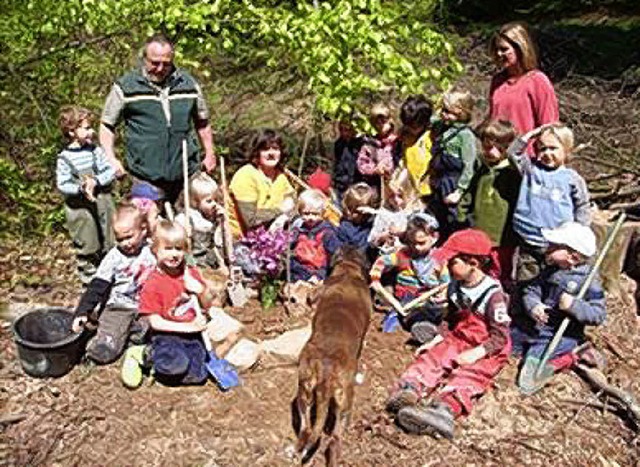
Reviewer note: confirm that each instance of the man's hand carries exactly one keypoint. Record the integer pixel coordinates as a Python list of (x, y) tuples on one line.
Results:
[(79, 322), (540, 313), (192, 285), (471, 356), (566, 301), (88, 188), (209, 163)]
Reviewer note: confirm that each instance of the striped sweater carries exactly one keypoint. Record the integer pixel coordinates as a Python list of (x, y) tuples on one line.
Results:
[(74, 163)]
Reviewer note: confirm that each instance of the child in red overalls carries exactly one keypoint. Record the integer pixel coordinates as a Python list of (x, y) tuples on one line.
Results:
[(459, 365)]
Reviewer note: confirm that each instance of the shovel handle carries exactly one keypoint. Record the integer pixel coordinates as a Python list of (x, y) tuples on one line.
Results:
[(390, 299), (425, 296)]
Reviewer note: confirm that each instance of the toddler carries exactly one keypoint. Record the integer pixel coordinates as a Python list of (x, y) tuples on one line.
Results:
[(454, 156), (550, 194), (177, 352), (145, 197), (552, 297), (491, 198), (345, 152), (314, 240), (357, 204), (416, 272), (460, 366), (376, 158), (415, 115), (390, 222), (84, 177), (205, 219), (115, 287)]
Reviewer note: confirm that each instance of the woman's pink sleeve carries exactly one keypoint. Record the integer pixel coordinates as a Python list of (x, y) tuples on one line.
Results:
[(545, 102)]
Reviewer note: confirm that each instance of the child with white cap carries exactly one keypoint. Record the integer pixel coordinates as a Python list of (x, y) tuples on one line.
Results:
[(552, 297)]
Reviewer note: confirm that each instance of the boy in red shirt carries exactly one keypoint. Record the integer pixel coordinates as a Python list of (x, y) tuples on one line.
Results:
[(459, 366), (167, 299)]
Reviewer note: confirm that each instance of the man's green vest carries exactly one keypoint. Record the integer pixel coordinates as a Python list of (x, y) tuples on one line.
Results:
[(154, 142)]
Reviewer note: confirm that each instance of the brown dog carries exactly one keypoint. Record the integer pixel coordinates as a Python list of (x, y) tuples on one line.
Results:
[(329, 360)]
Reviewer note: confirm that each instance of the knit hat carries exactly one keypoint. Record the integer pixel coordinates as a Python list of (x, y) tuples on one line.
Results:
[(576, 236), (320, 180), (145, 190), (431, 221), (472, 242)]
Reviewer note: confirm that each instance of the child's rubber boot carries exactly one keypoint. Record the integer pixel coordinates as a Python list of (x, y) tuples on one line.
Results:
[(437, 420), (403, 397), (423, 332), (390, 322), (131, 371), (528, 381)]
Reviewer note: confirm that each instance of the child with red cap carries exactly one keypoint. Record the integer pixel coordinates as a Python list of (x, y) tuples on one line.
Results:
[(459, 366)]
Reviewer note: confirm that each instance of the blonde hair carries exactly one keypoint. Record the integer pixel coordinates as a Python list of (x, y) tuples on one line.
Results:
[(563, 134), (169, 233), (462, 101), (378, 109), (400, 182), (128, 209), (312, 199), (517, 35), (201, 185), (71, 117), (356, 196)]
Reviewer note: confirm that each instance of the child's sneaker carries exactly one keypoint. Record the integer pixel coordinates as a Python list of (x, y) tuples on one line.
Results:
[(131, 372), (435, 420), (423, 332), (403, 397)]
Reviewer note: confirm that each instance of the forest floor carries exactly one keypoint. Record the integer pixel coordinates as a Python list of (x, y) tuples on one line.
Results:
[(88, 418)]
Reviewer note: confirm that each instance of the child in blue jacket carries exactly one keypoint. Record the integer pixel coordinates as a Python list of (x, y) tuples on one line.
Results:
[(551, 298)]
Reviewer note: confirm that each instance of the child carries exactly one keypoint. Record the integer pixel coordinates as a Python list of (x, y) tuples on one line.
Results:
[(491, 198), (376, 158), (314, 240), (417, 272), (145, 197), (460, 366), (357, 204), (390, 222), (345, 153), (550, 194), (205, 218), (551, 298), (321, 180), (116, 285), (415, 115), (177, 352), (84, 177), (454, 156)]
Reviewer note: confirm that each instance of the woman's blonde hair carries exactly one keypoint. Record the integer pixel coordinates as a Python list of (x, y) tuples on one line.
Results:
[(517, 35), (563, 134), (169, 233), (462, 101), (356, 196), (312, 199)]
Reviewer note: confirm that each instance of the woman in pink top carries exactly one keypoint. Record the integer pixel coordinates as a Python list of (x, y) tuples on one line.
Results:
[(520, 92)]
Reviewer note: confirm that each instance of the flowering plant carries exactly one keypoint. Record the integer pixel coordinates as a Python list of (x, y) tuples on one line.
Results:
[(262, 254)]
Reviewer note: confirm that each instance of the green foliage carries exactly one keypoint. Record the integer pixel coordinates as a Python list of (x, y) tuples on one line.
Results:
[(342, 53)]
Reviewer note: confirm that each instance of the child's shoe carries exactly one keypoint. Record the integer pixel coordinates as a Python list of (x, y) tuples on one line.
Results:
[(591, 357), (435, 420), (423, 332), (403, 397), (131, 372), (391, 322)]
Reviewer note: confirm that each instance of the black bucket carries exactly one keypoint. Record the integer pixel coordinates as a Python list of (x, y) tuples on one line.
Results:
[(46, 344)]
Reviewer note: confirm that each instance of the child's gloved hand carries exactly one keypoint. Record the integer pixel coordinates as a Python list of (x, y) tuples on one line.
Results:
[(540, 313), (453, 198), (79, 322), (470, 356), (566, 301), (88, 187), (287, 205), (192, 285)]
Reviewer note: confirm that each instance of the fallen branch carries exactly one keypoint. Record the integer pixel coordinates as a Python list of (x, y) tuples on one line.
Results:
[(12, 418), (597, 380)]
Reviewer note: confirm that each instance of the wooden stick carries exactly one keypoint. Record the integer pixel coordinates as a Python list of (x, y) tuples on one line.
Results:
[(185, 189), (306, 186), (425, 296), (393, 301), (226, 226)]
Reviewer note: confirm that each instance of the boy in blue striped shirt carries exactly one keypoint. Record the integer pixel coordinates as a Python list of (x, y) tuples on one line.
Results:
[(84, 178)]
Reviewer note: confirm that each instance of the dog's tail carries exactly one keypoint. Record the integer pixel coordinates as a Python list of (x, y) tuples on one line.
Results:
[(324, 393)]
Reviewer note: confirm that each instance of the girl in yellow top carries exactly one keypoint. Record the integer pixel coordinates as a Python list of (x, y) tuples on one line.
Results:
[(415, 115), (260, 190)]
